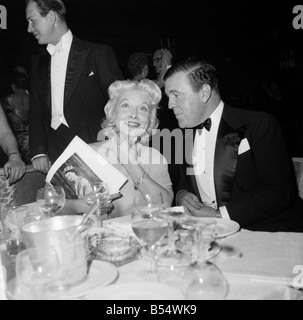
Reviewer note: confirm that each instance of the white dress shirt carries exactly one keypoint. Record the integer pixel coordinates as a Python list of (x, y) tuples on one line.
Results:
[(59, 60), (203, 161)]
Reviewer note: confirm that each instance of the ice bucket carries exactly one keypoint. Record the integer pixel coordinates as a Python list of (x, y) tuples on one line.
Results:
[(68, 237)]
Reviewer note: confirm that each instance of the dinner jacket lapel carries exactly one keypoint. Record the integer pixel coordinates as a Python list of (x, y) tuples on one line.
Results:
[(43, 78), (231, 132), (77, 57)]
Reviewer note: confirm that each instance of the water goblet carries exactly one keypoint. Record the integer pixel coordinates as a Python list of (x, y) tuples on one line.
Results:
[(100, 192), (202, 279), (148, 225), (50, 200)]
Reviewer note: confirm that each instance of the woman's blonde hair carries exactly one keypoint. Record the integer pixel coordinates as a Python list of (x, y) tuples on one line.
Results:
[(116, 88)]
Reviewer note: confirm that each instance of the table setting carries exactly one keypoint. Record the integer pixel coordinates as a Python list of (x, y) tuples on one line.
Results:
[(154, 254)]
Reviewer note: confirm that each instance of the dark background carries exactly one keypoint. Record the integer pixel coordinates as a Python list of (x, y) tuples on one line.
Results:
[(249, 41)]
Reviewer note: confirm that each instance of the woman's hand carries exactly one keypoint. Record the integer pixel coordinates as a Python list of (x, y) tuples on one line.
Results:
[(14, 168), (127, 151)]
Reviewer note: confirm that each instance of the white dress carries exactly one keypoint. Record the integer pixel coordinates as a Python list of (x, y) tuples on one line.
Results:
[(153, 163)]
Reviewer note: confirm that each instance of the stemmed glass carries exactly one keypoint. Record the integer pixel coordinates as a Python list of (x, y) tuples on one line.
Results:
[(172, 262), (203, 280), (100, 192), (51, 200), (148, 225)]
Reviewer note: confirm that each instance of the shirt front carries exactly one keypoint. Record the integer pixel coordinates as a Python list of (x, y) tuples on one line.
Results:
[(59, 59), (203, 161)]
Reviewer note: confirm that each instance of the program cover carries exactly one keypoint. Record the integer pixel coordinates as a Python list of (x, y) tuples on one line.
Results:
[(79, 167)]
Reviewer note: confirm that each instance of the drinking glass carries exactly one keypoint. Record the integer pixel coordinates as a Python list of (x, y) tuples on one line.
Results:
[(12, 221), (39, 275), (173, 216), (203, 280), (149, 225), (51, 200), (100, 192)]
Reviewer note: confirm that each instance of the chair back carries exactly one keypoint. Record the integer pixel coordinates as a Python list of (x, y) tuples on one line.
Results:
[(298, 167)]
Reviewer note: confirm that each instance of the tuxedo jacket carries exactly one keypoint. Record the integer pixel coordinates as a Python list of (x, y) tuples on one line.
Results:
[(257, 186), (91, 68)]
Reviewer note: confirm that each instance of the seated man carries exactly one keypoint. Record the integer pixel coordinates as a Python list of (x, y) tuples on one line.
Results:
[(235, 162), (14, 168)]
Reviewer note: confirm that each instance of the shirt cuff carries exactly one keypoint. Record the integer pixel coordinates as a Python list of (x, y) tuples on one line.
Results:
[(38, 156), (224, 213)]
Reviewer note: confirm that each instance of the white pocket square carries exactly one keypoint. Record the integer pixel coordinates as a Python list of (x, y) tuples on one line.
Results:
[(244, 146), (91, 74)]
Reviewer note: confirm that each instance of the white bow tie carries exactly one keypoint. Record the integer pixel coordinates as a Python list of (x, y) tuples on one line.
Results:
[(55, 49)]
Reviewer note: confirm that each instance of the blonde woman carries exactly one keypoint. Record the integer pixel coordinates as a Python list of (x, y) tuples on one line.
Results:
[(130, 121)]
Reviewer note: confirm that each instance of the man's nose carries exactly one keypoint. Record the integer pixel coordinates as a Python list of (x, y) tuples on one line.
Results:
[(170, 104), (29, 28)]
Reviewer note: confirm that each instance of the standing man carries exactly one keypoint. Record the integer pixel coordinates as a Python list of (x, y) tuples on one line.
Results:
[(69, 82), (238, 166)]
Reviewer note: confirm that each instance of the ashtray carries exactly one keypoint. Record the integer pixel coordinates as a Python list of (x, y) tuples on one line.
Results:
[(116, 249)]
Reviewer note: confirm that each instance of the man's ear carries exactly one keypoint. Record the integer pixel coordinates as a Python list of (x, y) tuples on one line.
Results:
[(52, 16), (205, 92)]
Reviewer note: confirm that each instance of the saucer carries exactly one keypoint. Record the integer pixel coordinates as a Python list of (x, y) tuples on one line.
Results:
[(101, 274)]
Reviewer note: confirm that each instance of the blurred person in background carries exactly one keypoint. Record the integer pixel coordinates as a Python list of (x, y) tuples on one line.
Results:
[(16, 107), (138, 66)]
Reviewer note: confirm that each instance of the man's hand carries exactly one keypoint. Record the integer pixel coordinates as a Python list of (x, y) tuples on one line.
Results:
[(42, 164), (194, 206)]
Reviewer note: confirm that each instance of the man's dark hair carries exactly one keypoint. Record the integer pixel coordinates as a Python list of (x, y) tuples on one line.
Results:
[(199, 72), (45, 6), (136, 62)]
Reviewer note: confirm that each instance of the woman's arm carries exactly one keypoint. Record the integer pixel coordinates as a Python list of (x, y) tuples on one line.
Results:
[(14, 168)]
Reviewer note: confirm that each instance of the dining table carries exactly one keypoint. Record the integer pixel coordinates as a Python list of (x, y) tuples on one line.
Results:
[(256, 265)]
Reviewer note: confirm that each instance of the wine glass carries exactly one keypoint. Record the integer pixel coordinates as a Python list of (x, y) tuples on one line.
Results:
[(51, 200), (203, 280), (100, 192), (39, 275), (148, 225), (172, 261)]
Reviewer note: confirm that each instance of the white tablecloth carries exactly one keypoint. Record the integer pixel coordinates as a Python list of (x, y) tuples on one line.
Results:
[(257, 265)]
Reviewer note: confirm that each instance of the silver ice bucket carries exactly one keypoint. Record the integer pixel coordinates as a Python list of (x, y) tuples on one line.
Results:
[(68, 237)]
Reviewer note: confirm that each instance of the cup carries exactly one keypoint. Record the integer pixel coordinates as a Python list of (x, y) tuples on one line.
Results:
[(12, 221), (39, 275)]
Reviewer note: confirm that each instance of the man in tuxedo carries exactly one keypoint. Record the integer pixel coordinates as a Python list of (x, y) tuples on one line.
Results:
[(235, 164), (69, 82)]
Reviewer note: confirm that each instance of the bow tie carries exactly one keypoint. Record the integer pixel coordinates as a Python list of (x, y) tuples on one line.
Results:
[(55, 49), (206, 124)]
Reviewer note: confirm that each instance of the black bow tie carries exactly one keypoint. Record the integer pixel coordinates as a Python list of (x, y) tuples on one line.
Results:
[(206, 124)]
